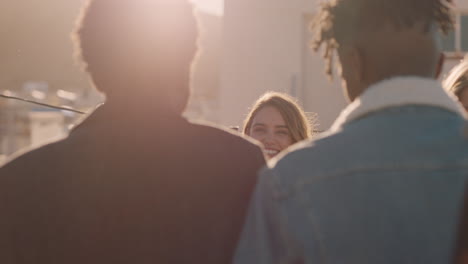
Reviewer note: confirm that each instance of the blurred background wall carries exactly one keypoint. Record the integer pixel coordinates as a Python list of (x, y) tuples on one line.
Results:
[(266, 47)]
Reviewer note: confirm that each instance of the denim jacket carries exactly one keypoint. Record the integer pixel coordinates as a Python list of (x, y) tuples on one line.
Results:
[(384, 185)]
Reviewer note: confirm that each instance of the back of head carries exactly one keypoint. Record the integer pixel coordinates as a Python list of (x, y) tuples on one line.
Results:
[(381, 39), (145, 46)]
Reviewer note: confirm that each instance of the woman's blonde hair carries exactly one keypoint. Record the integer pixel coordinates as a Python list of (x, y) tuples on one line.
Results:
[(457, 79), (298, 124)]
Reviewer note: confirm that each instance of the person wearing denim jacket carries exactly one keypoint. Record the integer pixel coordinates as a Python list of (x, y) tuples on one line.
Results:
[(385, 183)]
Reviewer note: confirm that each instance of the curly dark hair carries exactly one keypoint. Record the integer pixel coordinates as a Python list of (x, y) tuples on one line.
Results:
[(339, 20)]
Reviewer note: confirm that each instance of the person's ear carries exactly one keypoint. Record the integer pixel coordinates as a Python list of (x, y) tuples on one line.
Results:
[(357, 62), (440, 65), (352, 63)]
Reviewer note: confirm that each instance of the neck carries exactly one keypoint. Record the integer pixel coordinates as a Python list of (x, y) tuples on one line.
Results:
[(134, 107), (135, 104), (390, 53)]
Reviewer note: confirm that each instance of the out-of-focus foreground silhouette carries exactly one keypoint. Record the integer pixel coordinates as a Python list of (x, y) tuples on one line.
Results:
[(135, 182)]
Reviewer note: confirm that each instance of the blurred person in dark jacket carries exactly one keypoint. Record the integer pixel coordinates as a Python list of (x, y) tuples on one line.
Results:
[(461, 253), (135, 182)]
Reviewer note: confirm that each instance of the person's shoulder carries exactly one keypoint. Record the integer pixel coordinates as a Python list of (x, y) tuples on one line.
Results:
[(230, 142), (311, 157), (224, 135), (309, 150), (35, 158)]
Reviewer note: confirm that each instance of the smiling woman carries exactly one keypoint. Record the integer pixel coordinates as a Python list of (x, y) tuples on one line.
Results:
[(278, 122)]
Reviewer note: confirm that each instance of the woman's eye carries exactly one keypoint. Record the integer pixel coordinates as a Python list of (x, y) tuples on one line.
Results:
[(259, 130), (283, 132)]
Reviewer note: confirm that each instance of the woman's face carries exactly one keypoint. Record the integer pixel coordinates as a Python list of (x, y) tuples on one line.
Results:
[(269, 128), (464, 97)]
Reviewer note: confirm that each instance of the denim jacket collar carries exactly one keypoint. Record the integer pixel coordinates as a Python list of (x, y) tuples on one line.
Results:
[(398, 92)]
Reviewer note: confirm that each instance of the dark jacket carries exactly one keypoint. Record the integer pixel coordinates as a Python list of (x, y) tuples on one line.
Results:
[(128, 191)]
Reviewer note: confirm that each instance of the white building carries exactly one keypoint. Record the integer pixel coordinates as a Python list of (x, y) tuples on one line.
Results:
[(265, 48)]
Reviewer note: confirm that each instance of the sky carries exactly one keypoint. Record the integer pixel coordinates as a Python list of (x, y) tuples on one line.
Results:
[(211, 6)]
